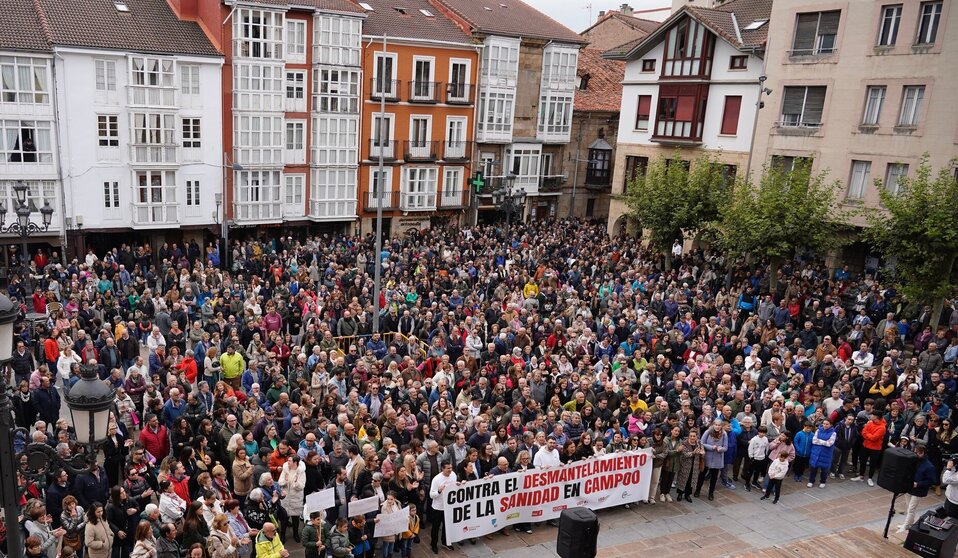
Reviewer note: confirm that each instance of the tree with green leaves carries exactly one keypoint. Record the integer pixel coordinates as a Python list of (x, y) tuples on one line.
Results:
[(919, 228), (787, 208), (674, 199)]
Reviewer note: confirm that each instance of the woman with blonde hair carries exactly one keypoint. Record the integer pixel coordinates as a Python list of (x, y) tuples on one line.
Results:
[(222, 542), (145, 545)]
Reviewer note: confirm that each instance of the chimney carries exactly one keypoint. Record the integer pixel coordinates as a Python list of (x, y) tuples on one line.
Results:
[(601, 14), (626, 9)]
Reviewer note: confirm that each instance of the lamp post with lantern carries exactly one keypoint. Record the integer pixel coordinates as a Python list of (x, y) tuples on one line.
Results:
[(508, 199), (23, 226), (89, 401)]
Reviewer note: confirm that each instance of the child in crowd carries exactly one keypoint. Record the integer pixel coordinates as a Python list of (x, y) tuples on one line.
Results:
[(776, 472)]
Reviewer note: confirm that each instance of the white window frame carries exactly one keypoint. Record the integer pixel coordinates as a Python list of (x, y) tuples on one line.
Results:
[(455, 141), (154, 202), (420, 93), (860, 176), (336, 90), (390, 89), (452, 187), (296, 41), (337, 40), (335, 140), (419, 188), (193, 192), (800, 122), (495, 114), (453, 63), (929, 22), (295, 138), (258, 139), (874, 101), (296, 90), (332, 193), (558, 67), (153, 137), (257, 195), (153, 81), (111, 197), (192, 129), (258, 87), (24, 80), (377, 144), (105, 75), (387, 187), (11, 148), (893, 174), (258, 34), (555, 116), (294, 194), (889, 25), (912, 97), (190, 79), (108, 131), (500, 61)]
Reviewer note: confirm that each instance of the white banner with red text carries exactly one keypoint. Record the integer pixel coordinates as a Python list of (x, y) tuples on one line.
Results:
[(482, 507)]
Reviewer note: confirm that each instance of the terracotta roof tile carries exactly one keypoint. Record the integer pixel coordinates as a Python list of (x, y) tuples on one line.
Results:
[(344, 6), (149, 26), (512, 18), (21, 29), (385, 18), (604, 90)]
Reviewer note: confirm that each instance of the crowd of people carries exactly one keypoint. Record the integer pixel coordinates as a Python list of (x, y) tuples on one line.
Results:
[(243, 388)]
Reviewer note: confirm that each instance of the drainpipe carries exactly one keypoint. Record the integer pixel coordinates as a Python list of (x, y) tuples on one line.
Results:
[(56, 120)]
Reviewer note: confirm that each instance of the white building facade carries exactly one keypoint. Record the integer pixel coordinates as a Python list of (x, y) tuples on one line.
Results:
[(141, 143), (691, 87)]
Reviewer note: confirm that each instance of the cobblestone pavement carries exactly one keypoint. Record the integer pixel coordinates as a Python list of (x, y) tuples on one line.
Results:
[(736, 522)]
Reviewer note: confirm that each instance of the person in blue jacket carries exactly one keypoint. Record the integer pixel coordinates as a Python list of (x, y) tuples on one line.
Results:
[(803, 450), (823, 450), (925, 478)]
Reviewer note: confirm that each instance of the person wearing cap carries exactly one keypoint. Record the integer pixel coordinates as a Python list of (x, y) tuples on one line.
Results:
[(314, 536)]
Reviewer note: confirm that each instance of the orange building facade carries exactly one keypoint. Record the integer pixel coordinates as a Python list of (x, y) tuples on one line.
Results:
[(426, 75)]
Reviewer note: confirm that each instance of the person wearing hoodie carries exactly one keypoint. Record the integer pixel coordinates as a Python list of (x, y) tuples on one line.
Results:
[(823, 448), (925, 478), (189, 367), (803, 450)]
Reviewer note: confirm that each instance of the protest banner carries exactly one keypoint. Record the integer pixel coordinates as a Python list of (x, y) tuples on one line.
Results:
[(322, 500), (392, 523), (481, 507), (360, 507)]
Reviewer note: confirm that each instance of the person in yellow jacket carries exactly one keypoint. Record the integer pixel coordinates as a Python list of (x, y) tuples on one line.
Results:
[(268, 544), (233, 366), (531, 290), (407, 538)]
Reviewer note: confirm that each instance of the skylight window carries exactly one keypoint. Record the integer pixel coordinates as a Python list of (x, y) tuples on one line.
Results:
[(426, 13), (487, 8), (400, 10), (121, 5), (367, 7), (757, 24)]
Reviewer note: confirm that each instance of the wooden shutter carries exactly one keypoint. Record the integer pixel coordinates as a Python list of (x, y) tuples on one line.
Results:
[(805, 30), (733, 104), (685, 109), (814, 106)]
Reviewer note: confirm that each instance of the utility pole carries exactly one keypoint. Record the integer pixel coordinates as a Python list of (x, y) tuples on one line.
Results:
[(383, 130)]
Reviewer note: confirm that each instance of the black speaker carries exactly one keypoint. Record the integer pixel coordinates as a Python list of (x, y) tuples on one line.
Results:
[(897, 472), (578, 533)]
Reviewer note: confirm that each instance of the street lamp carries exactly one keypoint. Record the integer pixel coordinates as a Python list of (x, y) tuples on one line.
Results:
[(23, 226), (90, 402), (509, 199)]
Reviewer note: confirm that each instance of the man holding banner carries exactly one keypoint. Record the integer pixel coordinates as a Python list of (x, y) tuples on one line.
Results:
[(442, 482)]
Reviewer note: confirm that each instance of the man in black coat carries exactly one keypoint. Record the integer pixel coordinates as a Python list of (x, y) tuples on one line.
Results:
[(58, 489), (91, 486), (46, 399), (22, 363)]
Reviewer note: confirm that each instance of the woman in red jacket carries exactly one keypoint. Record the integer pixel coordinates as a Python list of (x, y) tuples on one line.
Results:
[(873, 436)]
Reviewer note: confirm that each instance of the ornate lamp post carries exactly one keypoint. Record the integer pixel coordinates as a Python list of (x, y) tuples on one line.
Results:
[(508, 199), (90, 402), (23, 226)]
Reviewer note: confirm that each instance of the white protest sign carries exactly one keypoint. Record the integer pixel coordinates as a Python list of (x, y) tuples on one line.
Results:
[(360, 507), (392, 523), (322, 500)]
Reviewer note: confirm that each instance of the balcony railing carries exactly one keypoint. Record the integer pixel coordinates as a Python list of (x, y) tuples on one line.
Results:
[(155, 213), (387, 148), (387, 88), (459, 93), (417, 150), (457, 198), (259, 211), (457, 150), (551, 183), (140, 95), (153, 154), (424, 91), (417, 201), (388, 200)]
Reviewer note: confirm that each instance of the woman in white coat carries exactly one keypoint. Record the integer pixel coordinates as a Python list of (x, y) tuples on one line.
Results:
[(293, 481)]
